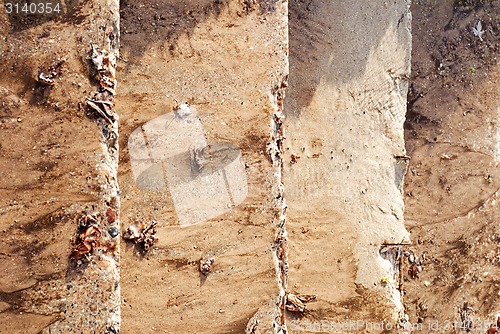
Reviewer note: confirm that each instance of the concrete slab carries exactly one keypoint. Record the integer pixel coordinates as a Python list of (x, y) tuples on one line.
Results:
[(57, 169), (345, 108), (223, 59)]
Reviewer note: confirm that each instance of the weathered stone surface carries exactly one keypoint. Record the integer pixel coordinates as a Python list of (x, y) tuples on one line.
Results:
[(345, 108)]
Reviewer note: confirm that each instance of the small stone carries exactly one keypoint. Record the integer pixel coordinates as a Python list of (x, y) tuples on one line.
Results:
[(206, 265), (113, 231), (427, 283), (111, 216)]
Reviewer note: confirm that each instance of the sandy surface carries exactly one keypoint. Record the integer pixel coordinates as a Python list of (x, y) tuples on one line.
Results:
[(453, 180), (224, 61)]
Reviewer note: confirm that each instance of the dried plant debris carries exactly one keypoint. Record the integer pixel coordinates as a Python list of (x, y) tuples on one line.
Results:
[(206, 265), (294, 158), (478, 31), (204, 157), (142, 234), (88, 238), (105, 63), (103, 100), (413, 271), (415, 262), (103, 104), (465, 315), (296, 303), (494, 328)]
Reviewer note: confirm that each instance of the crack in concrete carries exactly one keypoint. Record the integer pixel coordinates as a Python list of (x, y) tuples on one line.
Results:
[(280, 246)]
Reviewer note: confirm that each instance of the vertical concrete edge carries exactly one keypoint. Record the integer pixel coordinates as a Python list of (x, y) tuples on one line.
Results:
[(276, 152), (274, 310), (391, 254)]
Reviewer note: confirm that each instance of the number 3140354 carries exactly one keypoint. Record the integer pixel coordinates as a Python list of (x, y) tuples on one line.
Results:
[(32, 8)]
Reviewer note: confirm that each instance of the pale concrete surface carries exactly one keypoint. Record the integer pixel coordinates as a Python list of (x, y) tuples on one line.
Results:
[(345, 107)]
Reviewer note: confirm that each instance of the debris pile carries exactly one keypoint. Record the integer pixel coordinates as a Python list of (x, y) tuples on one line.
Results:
[(296, 303), (104, 98), (141, 234), (48, 77), (87, 239), (199, 158)]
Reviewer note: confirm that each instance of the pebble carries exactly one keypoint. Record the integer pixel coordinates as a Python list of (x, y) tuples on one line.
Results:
[(113, 231)]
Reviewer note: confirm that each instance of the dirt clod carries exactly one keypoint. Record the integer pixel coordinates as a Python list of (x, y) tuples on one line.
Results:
[(206, 265), (142, 234)]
